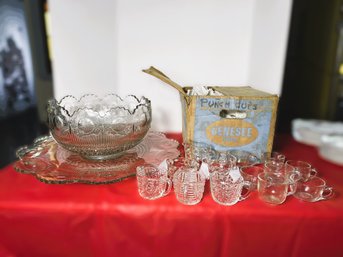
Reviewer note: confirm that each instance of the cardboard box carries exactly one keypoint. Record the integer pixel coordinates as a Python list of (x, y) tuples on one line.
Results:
[(243, 119)]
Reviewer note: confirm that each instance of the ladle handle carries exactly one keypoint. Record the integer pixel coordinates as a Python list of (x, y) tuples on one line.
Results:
[(160, 75)]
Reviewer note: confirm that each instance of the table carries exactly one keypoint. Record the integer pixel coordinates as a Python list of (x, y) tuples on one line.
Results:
[(38, 219)]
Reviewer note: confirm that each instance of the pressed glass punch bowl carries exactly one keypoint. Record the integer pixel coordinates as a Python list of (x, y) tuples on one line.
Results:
[(99, 128)]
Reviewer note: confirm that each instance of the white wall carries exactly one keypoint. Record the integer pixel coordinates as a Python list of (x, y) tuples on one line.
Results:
[(83, 35), (102, 46), (269, 44)]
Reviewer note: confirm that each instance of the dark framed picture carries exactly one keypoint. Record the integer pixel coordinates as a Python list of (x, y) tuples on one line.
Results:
[(17, 91)]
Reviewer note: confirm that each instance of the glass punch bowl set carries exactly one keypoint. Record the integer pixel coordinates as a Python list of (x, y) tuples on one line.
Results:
[(99, 140), (95, 140)]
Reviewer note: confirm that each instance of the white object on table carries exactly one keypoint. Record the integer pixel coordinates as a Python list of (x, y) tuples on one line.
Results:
[(331, 148), (310, 131)]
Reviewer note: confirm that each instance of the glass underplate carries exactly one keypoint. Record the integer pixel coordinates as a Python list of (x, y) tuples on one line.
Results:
[(50, 163)]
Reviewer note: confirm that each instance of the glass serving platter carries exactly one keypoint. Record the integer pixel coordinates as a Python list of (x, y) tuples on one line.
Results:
[(52, 164)]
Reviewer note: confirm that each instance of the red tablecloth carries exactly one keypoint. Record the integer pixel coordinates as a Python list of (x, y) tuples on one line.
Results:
[(38, 219)]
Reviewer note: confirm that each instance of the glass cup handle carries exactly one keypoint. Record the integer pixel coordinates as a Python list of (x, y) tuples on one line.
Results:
[(168, 187), (269, 181), (292, 186), (246, 185), (313, 172), (327, 193)]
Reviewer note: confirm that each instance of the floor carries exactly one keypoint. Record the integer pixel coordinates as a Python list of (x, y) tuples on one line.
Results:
[(16, 131)]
